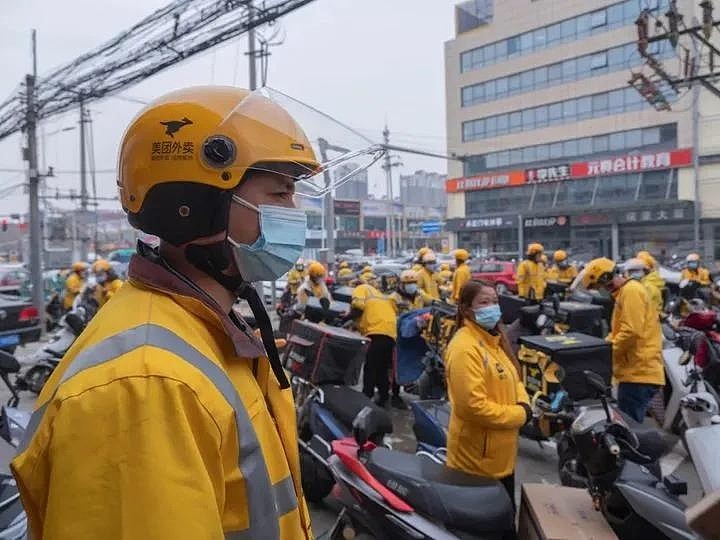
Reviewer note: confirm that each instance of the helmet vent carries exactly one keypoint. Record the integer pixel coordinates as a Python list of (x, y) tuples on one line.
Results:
[(218, 151), (184, 210)]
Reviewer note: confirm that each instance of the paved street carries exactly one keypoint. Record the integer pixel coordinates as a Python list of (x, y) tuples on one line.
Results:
[(536, 463)]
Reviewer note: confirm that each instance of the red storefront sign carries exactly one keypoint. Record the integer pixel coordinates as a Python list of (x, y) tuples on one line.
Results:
[(629, 163), (637, 162)]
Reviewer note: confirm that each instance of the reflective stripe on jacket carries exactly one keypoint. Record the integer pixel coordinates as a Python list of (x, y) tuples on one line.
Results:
[(153, 426)]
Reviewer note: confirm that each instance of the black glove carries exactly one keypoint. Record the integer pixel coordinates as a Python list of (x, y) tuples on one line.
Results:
[(528, 412)]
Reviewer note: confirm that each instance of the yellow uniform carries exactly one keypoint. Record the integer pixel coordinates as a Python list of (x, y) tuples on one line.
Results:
[(426, 281), (344, 274), (73, 285), (531, 276), (636, 337), (295, 275), (701, 275), (484, 392), (654, 285), (379, 313), (105, 291), (310, 288), (405, 303), (461, 277), (562, 275), (186, 431)]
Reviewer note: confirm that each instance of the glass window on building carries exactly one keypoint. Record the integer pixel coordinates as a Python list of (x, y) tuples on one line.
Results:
[(654, 185), (544, 196), (541, 116), (617, 141), (575, 193), (599, 61), (617, 189), (598, 19), (568, 29)]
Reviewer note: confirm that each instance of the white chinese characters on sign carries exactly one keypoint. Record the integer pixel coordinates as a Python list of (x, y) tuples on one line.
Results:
[(547, 174), (632, 163), (483, 182), (662, 214), (482, 223)]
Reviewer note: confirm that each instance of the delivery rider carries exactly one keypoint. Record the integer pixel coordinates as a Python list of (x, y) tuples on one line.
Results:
[(562, 271), (426, 275), (313, 285), (635, 335), (419, 257), (462, 273), (408, 295), (488, 401), (108, 282), (344, 273), (531, 273), (74, 283), (693, 271), (188, 422)]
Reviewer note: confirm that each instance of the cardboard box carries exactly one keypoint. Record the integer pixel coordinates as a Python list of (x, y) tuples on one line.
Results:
[(550, 512)]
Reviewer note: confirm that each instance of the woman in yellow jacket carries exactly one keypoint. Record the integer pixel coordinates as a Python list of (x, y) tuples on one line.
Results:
[(489, 403)]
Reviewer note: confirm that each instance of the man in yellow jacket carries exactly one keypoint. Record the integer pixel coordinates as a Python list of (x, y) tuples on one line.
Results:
[(651, 279), (377, 320), (426, 275), (409, 296), (694, 272), (108, 281), (531, 273), (297, 272), (313, 284), (562, 271), (188, 422), (635, 335), (344, 273), (417, 266), (74, 283), (462, 273)]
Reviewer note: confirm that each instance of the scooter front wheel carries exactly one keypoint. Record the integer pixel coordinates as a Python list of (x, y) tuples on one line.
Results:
[(36, 377)]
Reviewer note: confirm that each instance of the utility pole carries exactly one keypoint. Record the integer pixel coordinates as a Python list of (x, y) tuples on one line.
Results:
[(33, 188), (328, 205), (251, 50), (83, 182), (388, 178)]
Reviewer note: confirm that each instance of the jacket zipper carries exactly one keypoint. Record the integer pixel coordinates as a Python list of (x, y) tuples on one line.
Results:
[(485, 444)]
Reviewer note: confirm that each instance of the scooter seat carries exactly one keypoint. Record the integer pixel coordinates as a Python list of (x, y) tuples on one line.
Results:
[(345, 404), (461, 501), (8, 363)]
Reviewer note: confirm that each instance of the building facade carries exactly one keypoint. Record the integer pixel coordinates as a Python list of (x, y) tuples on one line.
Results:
[(559, 148)]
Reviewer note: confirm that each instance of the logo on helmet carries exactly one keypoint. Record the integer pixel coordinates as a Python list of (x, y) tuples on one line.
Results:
[(173, 126)]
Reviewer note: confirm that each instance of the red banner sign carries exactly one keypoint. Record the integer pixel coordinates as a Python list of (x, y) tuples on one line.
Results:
[(629, 163)]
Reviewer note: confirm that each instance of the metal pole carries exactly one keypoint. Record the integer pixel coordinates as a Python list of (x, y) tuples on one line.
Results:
[(521, 238), (251, 49), (83, 182), (388, 176), (33, 188), (696, 166), (329, 209)]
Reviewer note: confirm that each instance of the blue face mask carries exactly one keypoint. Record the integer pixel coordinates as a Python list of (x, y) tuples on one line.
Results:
[(410, 288), (693, 265), (279, 246), (488, 316)]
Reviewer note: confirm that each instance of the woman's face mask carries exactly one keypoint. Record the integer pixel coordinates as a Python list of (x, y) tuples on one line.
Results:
[(487, 316)]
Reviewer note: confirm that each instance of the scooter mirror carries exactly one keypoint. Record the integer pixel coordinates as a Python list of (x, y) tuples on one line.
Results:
[(596, 382), (76, 324)]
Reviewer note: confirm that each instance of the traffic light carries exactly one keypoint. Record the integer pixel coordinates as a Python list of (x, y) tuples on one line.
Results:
[(707, 17)]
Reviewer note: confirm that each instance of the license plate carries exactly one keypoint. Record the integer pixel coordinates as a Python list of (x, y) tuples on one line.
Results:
[(9, 341)]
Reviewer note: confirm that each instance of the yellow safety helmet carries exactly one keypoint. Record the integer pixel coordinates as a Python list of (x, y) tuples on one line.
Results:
[(534, 248), (79, 266), (428, 257), (344, 264), (408, 276), (560, 255), (648, 259), (462, 254), (445, 266), (366, 269), (693, 257), (315, 269), (367, 277), (101, 265), (185, 152), (597, 271), (421, 252)]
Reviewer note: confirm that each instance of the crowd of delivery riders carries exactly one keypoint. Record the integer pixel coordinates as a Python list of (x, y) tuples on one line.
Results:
[(488, 400), (169, 417)]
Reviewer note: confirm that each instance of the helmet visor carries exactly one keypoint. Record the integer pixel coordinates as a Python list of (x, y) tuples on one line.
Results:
[(270, 131)]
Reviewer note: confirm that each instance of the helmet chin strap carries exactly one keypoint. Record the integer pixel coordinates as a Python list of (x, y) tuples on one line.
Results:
[(214, 259)]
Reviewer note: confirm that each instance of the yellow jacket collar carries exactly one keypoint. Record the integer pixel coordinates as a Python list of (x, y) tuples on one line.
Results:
[(489, 340), (146, 273)]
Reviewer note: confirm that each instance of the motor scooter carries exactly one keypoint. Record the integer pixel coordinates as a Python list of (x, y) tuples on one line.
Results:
[(398, 496), (634, 501)]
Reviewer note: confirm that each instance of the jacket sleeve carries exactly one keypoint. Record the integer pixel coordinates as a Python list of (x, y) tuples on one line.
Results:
[(466, 375), (148, 461), (704, 277), (358, 298), (631, 322)]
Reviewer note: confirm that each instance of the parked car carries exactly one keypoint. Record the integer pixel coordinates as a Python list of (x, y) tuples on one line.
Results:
[(19, 322), (14, 280), (499, 273)]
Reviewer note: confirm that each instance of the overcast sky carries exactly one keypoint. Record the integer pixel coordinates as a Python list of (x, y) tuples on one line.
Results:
[(362, 61)]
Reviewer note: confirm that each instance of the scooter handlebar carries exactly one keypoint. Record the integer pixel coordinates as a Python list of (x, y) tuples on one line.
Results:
[(611, 444)]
